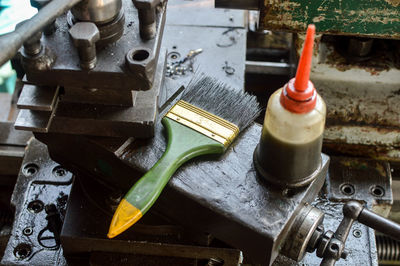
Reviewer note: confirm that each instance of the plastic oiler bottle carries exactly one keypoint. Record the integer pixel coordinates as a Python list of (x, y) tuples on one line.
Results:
[(289, 152)]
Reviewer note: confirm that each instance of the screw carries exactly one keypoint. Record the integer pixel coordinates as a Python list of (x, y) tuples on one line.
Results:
[(84, 36), (357, 233), (32, 46), (27, 231)]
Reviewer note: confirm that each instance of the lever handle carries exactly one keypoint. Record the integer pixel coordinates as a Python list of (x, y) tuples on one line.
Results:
[(331, 248), (379, 223)]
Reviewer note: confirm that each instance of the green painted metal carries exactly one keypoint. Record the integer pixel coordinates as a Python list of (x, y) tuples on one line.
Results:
[(370, 18), (183, 144)]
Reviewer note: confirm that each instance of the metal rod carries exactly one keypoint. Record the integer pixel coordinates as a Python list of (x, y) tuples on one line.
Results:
[(380, 223), (270, 68), (11, 42)]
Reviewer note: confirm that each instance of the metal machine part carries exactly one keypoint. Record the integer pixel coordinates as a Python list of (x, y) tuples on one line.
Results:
[(94, 85), (215, 198), (112, 70), (11, 42), (260, 239), (97, 11), (388, 250), (361, 179), (40, 200), (304, 233), (84, 36), (295, 15), (307, 234), (331, 245), (147, 17), (82, 111), (41, 197)]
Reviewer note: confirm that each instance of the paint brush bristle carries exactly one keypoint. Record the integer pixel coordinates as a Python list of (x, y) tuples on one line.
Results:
[(213, 96)]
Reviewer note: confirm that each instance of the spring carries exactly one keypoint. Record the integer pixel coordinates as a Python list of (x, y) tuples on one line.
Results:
[(388, 249)]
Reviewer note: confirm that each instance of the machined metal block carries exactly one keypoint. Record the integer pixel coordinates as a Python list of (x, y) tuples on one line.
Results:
[(35, 121), (37, 98), (128, 64)]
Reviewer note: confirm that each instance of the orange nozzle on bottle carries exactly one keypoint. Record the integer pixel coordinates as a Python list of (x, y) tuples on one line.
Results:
[(299, 94)]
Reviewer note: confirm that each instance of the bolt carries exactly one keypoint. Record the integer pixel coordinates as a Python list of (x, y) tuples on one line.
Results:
[(357, 233), (84, 36), (32, 46), (147, 17)]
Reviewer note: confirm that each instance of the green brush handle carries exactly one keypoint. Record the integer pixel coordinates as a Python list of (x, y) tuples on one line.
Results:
[(183, 144)]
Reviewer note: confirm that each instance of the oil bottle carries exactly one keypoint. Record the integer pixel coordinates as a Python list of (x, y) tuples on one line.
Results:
[(289, 152)]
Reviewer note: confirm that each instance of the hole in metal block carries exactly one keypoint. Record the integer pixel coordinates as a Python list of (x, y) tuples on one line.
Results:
[(35, 206), (22, 251), (140, 55)]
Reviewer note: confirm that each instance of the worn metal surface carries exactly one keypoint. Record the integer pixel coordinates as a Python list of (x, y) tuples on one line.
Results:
[(105, 118), (111, 120), (33, 120), (360, 244), (111, 70), (361, 179), (41, 182), (37, 98), (202, 13), (230, 200), (214, 185), (12, 148), (376, 18), (90, 210)]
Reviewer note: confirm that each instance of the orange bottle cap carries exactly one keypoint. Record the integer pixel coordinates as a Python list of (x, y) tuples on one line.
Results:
[(299, 94)]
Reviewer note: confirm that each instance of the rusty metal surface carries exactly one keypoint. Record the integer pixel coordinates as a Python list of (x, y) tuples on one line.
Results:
[(360, 18), (362, 96), (111, 71), (35, 237), (361, 179)]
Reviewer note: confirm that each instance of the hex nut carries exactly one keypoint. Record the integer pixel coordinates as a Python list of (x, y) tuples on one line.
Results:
[(84, 34)]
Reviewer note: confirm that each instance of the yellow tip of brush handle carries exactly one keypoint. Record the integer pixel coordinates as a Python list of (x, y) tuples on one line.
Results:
[(124, 217)]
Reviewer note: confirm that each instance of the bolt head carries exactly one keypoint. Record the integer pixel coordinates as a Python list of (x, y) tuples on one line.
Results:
[(84, 34), (146, 4)]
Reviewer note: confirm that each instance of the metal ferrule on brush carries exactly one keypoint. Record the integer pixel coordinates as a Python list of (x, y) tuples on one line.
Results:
[(203, 122)]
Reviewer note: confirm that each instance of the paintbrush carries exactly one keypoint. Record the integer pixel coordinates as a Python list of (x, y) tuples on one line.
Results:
[(206, 120)]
